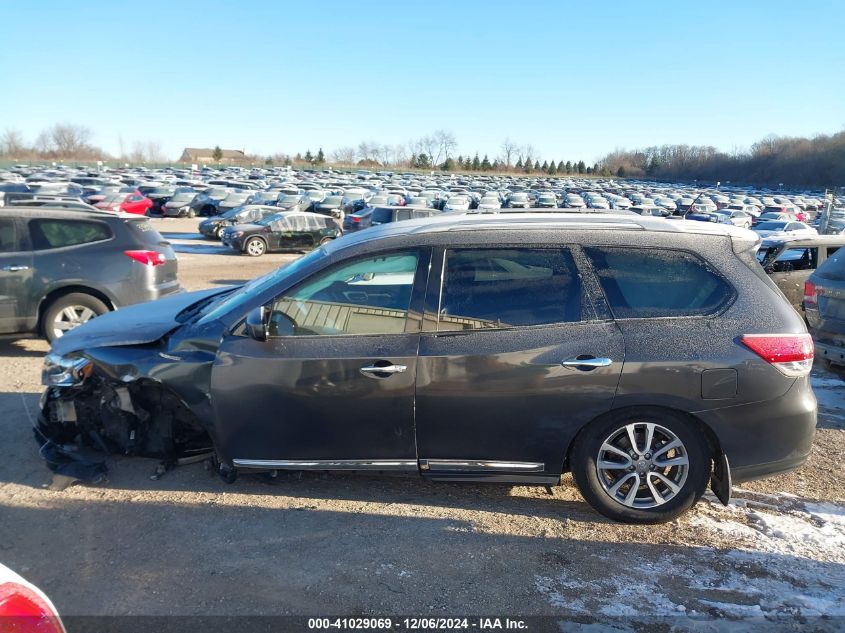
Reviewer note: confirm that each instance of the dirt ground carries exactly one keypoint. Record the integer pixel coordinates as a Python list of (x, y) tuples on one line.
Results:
[(345, 544)]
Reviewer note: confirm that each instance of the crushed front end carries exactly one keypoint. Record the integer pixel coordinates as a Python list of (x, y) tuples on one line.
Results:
[(92, 410)]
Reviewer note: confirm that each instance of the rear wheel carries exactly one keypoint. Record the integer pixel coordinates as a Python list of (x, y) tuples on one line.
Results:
[(255, 247), (645, 466), (192, 213), (325, 240), (70, 311)]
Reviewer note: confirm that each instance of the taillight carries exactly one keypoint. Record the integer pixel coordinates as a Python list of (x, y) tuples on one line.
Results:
[(790, 354), (148, 258), (355, 219), (811, 295), (22, 610)]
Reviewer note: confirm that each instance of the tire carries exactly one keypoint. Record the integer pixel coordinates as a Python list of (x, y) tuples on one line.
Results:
[(255, 247), (192, 213), (641, 505), (325, 241), (217, 231), (69, 311)]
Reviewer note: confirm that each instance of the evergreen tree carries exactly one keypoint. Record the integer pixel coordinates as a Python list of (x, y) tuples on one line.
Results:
[(460, 162), (485, 164), (297, 158), (536, 165), (448, 165), (552, 169), (582, 168), (518, 164), (423, 161), (496, 165), (620, 173), (217, 154), (476, 164), (568, 167), (308, 157), (589, 169), (321, 158), (545, 166)]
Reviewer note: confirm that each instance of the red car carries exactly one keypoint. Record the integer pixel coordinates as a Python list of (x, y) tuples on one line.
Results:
[(126, 202), (24, 608)]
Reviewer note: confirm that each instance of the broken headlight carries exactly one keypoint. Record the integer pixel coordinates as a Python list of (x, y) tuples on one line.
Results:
[(61, 371)]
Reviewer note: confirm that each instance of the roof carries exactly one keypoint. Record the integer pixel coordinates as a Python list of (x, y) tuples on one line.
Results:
[(568, 220)]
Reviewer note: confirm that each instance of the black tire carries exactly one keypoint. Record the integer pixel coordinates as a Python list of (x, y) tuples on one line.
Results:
[(252, 248), (53, 314), (587, 447), (217, 232)]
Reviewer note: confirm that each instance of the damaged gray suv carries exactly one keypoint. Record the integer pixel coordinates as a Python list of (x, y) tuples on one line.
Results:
[(648, 357)]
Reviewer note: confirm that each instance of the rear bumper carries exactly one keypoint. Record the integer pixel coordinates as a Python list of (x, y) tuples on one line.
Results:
[(766, 438)]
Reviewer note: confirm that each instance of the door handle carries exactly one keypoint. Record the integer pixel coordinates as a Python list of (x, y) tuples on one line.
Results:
[(14, 269), (372, 370), (587, 363)]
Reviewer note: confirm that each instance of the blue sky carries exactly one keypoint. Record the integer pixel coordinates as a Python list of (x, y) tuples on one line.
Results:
[(574, 79)]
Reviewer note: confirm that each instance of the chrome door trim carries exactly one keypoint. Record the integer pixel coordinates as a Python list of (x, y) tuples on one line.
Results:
[(328, 464), (474, 465)]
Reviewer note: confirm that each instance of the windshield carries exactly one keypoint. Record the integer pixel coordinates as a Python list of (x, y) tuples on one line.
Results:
[(771, 226), (182, 197), (276, 217), (289, 200), (258, 285)]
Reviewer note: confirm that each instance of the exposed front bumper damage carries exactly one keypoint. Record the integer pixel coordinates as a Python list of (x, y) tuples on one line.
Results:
[(82, 425)]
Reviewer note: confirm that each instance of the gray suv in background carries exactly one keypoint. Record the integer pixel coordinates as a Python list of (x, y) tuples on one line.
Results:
[(60, 268)]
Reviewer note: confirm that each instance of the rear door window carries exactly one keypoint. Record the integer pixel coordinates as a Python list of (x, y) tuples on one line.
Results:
[(509, 287), (47, 234), (648, 283)]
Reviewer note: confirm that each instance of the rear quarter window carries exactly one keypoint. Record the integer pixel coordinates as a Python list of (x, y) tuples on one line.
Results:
[(649, 283), (47, 234)]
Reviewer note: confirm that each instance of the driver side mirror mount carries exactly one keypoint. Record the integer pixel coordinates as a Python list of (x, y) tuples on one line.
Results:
[(256, 324)]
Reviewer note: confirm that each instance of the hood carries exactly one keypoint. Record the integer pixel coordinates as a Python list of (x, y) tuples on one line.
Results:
[(132, 325)]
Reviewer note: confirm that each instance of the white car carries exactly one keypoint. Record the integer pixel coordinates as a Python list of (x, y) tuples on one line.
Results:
[(457, 204), (783, 228), (737, 218)]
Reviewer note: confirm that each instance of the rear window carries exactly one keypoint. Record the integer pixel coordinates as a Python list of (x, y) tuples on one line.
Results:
[(648, 283), (834, 267), (46, 234), (145, 232)]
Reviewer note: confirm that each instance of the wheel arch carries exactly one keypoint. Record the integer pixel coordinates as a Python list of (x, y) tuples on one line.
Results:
[(714, 447), (56, 293)]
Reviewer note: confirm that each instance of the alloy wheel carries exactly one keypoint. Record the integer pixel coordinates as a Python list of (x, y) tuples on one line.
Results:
[(642, 465), (71, 317)]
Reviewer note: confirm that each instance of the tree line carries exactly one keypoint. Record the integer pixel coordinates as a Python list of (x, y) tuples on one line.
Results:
[(792, 161)]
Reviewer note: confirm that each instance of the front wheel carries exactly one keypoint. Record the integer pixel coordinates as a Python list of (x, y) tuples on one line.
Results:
[(644, 466), (70, 311), (255, 247)]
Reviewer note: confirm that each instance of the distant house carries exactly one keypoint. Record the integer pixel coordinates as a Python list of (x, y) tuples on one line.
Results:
[(202, 155)]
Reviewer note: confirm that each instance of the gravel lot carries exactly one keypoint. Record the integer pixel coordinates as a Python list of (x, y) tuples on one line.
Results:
[(352, 544)]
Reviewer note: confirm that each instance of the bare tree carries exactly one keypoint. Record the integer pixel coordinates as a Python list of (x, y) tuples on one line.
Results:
[(42, 143), (154, 152), (70, 140), (12, 143), (509, 150), (446, 144), (344, 155), (429, 145)]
